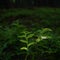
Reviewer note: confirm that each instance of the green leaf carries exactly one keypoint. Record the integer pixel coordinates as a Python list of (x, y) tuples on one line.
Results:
[(23, 41), (30, 35), (21, 36), (38, 39), (30, 44), (24, 48), (46, 37), (45, 30), (43, 37), (26, 32)]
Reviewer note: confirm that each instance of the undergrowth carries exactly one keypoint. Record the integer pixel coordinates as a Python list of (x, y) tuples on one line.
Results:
[(30, 34)]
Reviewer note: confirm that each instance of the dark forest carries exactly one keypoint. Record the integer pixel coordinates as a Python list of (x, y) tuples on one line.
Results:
[(30, 30)]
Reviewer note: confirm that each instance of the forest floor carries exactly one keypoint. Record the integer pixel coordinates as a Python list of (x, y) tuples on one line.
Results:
[(43, 17), (38, 18)]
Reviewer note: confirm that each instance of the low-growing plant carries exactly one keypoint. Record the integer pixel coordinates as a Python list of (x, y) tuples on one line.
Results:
[(28, 39)]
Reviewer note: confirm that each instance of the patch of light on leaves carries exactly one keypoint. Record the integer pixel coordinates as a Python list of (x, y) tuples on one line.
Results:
[(45, 37)]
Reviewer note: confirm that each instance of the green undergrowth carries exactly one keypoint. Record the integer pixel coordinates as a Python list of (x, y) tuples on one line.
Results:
[(47, 16), (30, 34), (17, 41), (40, 12)]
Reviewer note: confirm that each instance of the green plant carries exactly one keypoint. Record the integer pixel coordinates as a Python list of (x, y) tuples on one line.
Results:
[(43, 42), (26, 35), (28, 43)]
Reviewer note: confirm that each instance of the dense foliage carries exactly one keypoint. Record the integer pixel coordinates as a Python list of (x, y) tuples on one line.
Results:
[(30, 36)]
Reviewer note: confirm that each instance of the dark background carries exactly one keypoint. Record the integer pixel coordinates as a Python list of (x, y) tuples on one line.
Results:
[(29, 3)]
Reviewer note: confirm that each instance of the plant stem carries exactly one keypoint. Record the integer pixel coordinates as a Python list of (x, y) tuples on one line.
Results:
[(27, 47), (26, 57)]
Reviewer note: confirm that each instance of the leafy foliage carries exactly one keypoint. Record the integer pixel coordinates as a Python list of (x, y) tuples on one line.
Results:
[(43, 34), (34, 35)]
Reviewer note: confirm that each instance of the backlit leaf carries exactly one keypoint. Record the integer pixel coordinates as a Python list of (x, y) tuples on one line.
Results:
[(23, 41), (30, 35), (30, 44), (24, 48)]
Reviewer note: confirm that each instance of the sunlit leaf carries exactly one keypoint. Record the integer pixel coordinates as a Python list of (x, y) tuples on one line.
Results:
[(43, 37), (30, 35), (46, 37), (30, 44), (23, 41), (24, 48)]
